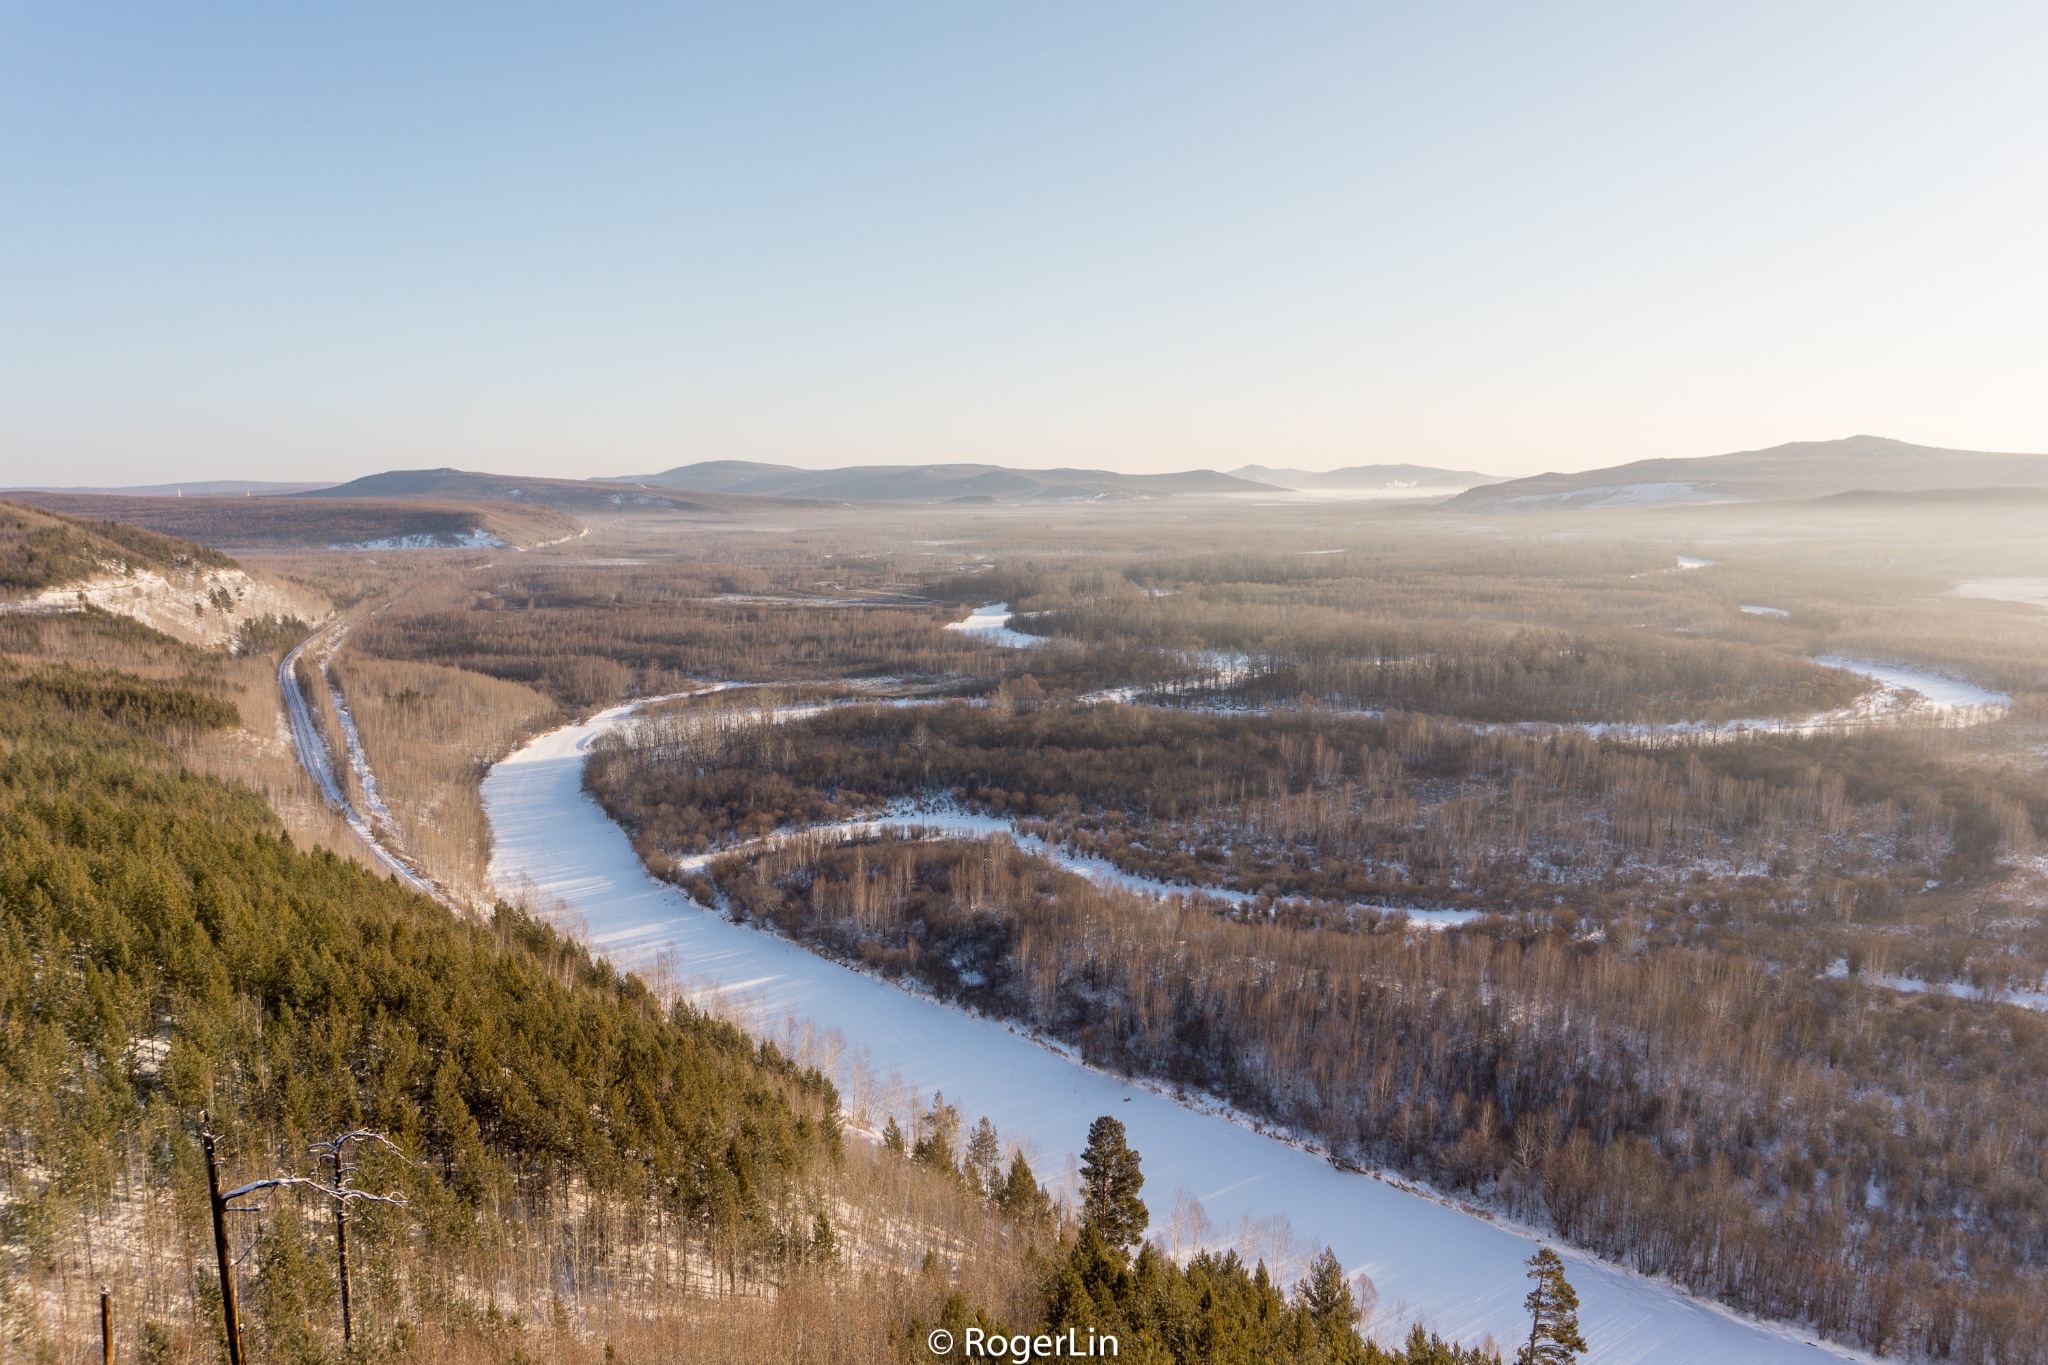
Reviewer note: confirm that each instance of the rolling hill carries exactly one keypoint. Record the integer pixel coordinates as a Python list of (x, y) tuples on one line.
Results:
[(201, 488), (1799, 470), (304, 523), (459, 485), (936, 482)]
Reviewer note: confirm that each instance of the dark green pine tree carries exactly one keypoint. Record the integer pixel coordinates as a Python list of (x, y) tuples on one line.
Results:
[(1326, 1295), (1020, 1196), (1553, 1315), (1110, 1181)]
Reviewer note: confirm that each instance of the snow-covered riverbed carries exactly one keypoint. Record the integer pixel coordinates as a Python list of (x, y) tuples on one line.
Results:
[(950, 822), (1902, 696), (1458, 1272), (992, 623)]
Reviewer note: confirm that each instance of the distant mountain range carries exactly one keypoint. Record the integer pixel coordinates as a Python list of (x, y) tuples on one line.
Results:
[(935, 482), (457, 485), (201, 488), (1848, 470), (1398, 479), (1857, 469)]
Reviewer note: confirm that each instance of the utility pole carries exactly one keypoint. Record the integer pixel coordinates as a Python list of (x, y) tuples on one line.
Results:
[(348, 1330), (335, 1152), (337, 1155), (220, 1252), (106, 1329)]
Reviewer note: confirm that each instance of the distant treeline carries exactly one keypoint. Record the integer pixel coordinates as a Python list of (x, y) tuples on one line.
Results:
[(586, 637), (1402, 810)]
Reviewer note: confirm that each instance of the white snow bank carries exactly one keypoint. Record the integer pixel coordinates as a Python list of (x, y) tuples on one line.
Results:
[(992, 623), (1435, 919), (476, 538), (1765, 611), (1939, 691), (1688, 562), (2032, 591), (2031, 1000), (1962, 990), (1903, 696), (951, 822), (1454, 1270)]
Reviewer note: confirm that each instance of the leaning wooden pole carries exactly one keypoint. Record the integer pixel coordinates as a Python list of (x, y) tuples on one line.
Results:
[(229, 1316)]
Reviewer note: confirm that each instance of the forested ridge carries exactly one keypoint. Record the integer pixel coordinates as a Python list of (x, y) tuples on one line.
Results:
[(41, 549), (165, 951)]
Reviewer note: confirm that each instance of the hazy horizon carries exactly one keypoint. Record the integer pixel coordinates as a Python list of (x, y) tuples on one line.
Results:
[(173, 478), (302, 245)]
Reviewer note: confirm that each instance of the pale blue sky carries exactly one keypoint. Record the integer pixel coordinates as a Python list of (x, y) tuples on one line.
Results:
[(277, 241)]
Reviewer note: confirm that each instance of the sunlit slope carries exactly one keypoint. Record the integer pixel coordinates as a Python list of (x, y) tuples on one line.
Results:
[(300, 523), (51, 564), (1801, 469)]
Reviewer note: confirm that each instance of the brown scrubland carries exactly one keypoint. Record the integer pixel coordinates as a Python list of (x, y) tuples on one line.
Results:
[(431, 733)]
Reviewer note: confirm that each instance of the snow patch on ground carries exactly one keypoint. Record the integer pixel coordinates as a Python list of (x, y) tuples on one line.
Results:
[(1209, 670), (1688, 562), (2031, 591), (951, 822), (1765, 611), (992, 623), (476, 538), (1961, 990), (1936, 690)]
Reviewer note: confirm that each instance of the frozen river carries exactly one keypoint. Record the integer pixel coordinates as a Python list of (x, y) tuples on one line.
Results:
[(1459, 1273)]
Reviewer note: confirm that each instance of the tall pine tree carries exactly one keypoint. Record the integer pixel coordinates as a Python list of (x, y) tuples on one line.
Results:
[(1553, 1315), (1110, 1181), (1326, 1295)]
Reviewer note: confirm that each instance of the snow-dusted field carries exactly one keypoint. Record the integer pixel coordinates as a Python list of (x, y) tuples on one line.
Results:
[(1456, 1271)]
